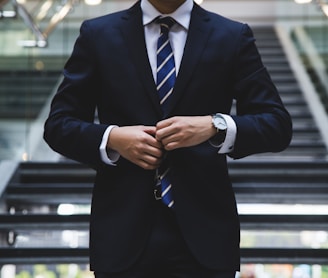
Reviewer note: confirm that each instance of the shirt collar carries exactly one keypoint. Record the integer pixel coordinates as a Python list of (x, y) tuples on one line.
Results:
[(181, 15)]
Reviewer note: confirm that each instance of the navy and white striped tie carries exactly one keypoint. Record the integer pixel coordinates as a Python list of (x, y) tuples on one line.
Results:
[(166, 76)]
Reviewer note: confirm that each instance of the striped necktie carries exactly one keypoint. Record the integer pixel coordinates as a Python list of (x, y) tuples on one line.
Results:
[(165, 64), (166, 76)]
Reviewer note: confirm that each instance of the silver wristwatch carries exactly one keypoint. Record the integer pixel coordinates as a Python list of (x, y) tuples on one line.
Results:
[(220, 125)]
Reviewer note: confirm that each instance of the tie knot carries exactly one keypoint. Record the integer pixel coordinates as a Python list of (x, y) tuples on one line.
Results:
[(166, 23)]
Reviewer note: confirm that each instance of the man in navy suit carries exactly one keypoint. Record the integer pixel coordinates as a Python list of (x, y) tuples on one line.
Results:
[(112, 70)]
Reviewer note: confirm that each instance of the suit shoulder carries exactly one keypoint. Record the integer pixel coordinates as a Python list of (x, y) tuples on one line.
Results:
[(219, 21), (111, 18), (232, 28)]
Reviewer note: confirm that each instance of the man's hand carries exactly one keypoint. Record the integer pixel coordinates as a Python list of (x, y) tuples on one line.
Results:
[(138, 145), (179, 132)]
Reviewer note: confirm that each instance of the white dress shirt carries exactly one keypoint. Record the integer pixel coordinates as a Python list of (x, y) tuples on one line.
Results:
[(178, 36)]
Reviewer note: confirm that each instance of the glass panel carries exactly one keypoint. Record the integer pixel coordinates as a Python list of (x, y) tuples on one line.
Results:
[(308, 27), (29, 74)]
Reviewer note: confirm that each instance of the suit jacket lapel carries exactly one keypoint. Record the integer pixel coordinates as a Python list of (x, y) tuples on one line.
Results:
[(133, 33), (198, 35)]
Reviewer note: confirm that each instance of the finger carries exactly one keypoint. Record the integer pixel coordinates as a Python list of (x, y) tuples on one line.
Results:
[(154, 152), (165, 132), (169, 135), (172, 145), (151, 130), (164, 123), (149, 162), (154, 143)]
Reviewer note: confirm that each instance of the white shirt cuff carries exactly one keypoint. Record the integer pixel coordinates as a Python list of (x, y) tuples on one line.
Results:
[(111, 156), (229, 142)]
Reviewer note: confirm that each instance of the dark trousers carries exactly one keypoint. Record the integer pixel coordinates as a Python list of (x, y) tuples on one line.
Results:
[(166, 254)]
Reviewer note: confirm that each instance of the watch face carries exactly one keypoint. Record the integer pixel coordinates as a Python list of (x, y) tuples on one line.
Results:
[(222, 125), (219, 123)]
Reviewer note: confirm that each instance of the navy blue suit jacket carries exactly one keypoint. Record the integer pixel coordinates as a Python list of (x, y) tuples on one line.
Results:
[(109, 71)]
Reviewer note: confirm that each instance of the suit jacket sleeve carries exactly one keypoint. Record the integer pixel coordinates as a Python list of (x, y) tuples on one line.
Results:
[(70, 129), (263, 123)]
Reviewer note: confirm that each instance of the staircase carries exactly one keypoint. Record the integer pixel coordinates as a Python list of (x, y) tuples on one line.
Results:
[(298, 175), (307, 143)]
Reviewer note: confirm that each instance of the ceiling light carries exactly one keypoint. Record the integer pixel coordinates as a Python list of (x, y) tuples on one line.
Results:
[(7, 14), (44, 10), (33, 43), (324, 7), (303, 1), (92, 2)]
